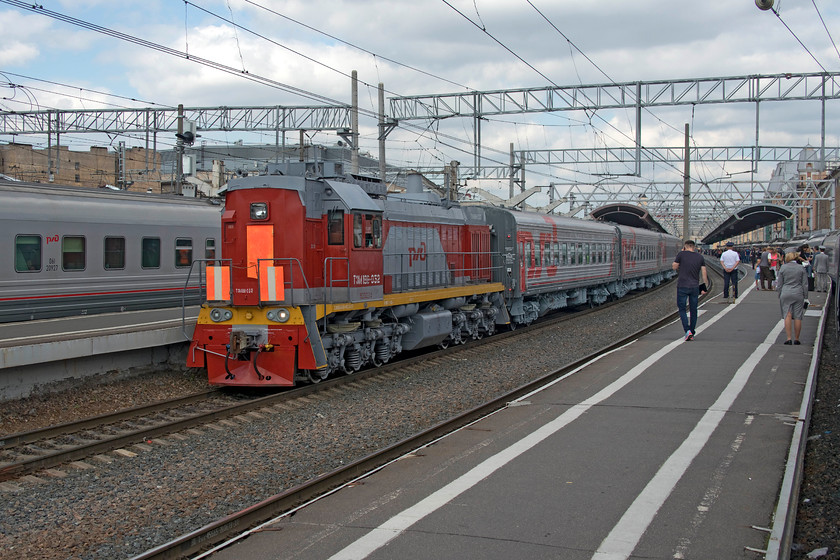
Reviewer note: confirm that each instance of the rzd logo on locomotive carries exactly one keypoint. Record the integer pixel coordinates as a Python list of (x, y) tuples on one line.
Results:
[(417, 253)]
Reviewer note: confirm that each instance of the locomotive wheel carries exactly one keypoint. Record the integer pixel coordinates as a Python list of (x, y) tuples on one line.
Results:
[(444, 344), (512, 325)]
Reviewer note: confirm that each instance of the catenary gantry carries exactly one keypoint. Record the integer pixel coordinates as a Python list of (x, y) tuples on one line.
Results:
[(638, 95)]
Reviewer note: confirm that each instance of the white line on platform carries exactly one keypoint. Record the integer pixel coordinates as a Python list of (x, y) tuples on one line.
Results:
[(624, 537), (393, 527)]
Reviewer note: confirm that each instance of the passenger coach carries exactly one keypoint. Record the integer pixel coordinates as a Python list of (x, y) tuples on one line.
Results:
[(76, 251)]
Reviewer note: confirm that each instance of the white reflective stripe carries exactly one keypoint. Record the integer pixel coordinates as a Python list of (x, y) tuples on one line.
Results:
[(272, 286), (218, 275)]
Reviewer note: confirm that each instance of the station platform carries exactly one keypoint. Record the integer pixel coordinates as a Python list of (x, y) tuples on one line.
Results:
[(663, 448), (34, 353)]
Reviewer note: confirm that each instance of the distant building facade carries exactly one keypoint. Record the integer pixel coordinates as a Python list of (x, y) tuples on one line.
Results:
[(133, 169)]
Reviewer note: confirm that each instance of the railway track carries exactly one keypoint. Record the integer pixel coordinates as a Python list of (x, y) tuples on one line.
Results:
[(29, 452), (287, 502)]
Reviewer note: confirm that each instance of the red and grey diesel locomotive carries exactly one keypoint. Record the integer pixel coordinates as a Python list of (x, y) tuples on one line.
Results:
[(323, 272)]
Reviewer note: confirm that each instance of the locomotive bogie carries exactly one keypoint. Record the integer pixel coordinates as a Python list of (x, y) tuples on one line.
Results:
[(322, 340)]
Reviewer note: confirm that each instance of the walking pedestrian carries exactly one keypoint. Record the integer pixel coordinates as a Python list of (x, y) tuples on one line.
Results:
[(766, 272), (792, 285), (774, 264), (689, 266), (820, 265), (730, 260)]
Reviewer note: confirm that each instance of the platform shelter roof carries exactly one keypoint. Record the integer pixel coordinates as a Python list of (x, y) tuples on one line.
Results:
[(627, 215), (748, 219)]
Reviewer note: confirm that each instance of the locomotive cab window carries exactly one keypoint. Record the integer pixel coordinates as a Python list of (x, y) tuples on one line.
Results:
[(335, 227), (357, 230), (150, 257), (73, 252), (27, 253), (183, 252), (114, 253), (376, 228)]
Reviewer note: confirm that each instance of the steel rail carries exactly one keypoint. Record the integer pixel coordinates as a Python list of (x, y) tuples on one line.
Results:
[(23, 438)]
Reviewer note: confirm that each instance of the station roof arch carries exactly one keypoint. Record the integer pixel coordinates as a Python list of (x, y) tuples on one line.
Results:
[(748, 219), (627, 215)]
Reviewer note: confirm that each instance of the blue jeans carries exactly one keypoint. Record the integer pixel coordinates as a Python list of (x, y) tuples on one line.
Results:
[(689, 295), (730, 278)]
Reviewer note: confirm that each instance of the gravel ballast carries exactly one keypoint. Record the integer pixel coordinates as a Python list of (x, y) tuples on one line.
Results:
[(122, 508)]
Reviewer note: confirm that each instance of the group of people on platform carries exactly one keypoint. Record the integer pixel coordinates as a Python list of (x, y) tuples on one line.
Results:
[(788, 273)]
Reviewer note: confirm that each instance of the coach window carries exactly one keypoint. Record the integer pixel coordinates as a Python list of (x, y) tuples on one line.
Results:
[(73, 252), (527, 254), (335, 227), (564, 254), (114, 253), (150, 257), (209, 249), (27, 253), (537, 261), (183, 252)]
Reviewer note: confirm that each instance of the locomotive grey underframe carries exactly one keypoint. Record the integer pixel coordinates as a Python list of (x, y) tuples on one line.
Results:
[(372, 335)]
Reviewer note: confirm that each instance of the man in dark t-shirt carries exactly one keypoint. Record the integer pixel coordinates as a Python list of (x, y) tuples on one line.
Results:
[(690, 265)]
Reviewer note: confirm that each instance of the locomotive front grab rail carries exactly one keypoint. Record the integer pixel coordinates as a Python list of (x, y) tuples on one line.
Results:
[(201, 284), (293, 264)]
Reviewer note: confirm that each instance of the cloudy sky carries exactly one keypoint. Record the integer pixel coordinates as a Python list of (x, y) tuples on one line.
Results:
[(428, 47)]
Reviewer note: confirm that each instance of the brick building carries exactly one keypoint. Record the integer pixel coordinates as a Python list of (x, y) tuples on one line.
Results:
[(129, 168)]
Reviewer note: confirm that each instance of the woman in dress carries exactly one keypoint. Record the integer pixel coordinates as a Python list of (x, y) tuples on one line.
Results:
[(792, 285)]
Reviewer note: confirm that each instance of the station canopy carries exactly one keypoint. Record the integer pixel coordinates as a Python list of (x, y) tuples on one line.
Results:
[(748, 219), (627, 215)]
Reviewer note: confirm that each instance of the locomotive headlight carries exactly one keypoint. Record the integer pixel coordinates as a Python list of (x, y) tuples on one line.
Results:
[(218, 315), (278, 315), (259, 211)]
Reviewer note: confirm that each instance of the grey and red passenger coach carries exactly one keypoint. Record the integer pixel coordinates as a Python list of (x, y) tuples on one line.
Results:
[(323, 272), (78, 251)]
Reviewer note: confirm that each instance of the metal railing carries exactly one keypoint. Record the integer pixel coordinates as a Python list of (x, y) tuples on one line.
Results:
[(411, 271)]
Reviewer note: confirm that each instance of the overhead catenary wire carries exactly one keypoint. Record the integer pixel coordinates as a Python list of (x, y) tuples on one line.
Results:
[(594, 114)]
